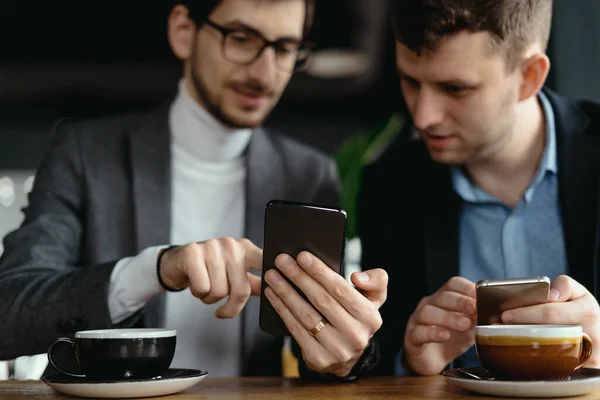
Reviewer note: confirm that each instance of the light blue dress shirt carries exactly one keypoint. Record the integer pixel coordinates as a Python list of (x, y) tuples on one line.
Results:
[(497, 241)]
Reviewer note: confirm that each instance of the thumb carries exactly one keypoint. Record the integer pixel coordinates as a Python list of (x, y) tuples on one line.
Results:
[(372, 284), (565, 288)]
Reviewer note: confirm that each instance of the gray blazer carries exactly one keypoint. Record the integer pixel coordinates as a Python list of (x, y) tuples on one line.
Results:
[(102, 193)]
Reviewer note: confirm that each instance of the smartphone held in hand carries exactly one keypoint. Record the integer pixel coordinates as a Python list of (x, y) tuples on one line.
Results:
[(494, 296), (290, 228)]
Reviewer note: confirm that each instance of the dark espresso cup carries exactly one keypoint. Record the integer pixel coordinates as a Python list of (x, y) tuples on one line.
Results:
[(532, 352), (118, 353)]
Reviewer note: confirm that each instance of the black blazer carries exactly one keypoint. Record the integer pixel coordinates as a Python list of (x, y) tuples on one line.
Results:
[(408, 217)]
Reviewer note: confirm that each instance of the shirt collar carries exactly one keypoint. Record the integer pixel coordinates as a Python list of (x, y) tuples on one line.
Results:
[(548, 164)]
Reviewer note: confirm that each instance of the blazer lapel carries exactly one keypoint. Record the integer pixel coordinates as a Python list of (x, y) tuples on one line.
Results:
[(151, 159), (265, 180), (577, 154), (151, 168), (441, 229)]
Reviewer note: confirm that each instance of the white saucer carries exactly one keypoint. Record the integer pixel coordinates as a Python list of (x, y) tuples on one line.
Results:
[(172, 381), (581, 382)]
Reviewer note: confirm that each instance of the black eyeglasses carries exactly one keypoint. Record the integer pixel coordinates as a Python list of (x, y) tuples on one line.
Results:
[(245, 45)]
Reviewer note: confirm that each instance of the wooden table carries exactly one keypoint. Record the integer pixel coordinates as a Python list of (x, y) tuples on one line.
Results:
[(272, 388)]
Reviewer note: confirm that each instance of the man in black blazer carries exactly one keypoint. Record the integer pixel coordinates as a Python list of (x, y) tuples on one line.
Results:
[(112, 194), (499, 179)]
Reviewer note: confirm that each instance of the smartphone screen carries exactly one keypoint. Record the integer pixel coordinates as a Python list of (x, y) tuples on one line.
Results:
[(291, 228), (494, 296)]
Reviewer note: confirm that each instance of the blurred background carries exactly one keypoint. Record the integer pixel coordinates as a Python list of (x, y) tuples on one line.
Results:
[(65, 58)]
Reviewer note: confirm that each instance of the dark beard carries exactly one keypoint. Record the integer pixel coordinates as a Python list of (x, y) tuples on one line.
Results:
[(214, 109)]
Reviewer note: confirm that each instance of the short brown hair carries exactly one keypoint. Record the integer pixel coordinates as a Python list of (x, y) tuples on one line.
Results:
[(200, 10), (514, 24)]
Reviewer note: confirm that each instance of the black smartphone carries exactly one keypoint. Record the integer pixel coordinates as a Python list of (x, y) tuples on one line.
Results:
[(494, 296), (293, 227)]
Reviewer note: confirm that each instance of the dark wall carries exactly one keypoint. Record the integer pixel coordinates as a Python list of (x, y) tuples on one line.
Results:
[(83, 58)]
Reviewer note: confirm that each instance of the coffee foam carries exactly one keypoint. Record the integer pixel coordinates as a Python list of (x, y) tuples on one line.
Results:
[(134, 333), (530, 331)]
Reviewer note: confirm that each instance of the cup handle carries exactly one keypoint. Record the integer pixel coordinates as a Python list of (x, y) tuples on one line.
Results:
[(586, 351), (71, 343)]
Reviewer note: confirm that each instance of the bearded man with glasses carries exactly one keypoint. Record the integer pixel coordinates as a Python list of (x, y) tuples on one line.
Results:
[(157, 219)]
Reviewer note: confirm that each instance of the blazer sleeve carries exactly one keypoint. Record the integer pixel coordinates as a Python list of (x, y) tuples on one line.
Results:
[(46, 292)]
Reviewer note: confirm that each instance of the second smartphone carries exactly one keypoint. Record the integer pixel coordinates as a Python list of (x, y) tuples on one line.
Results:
[(494, 296)]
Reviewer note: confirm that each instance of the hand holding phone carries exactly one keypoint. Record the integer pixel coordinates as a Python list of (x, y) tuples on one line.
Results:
[(290, 228), (304, 290), (494, 296)]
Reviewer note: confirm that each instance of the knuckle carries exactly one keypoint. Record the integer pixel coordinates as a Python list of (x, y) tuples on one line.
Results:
[(375, 322), (211, 243), (228, 242), (218, 292), (343, 355), (295, 329), (240, 296), (341, 291), (423, 312), (465, 303), (198, 292), (455, 280), (320, 272), (431, 334), (358, 343), (243, 291), (245, 242), (308, 319), (450, 319), (210, 246), (424, 301), (296, 274), (412, 335), (323, 301), (550, 315)]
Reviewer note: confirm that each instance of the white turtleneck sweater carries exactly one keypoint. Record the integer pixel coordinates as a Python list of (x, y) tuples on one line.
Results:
[(208, 201)]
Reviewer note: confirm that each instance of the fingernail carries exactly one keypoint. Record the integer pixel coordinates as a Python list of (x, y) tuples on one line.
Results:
[(272, 277), (554, 294), (284, 262), (507, 317), (305, 259), (363, 276)]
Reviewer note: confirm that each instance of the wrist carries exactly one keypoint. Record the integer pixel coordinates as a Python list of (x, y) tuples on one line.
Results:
[(164, 271), (368, 360)]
